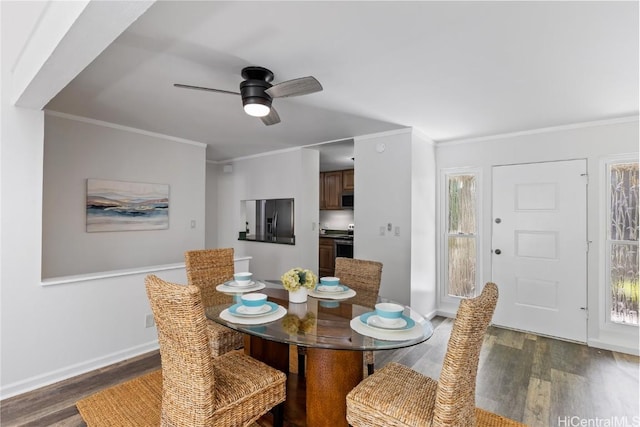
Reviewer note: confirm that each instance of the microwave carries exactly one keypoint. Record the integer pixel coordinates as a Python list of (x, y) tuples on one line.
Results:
[(346, 201)]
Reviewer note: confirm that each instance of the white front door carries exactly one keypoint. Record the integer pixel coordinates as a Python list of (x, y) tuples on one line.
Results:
[(539, 245)]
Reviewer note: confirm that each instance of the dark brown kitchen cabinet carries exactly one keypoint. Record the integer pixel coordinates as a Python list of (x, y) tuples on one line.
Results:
[(347, 180), (326, 261), (330, 190), (322, 202)]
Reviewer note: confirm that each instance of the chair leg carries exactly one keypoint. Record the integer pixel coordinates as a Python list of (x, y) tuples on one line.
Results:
[(278, 415), (369, 368), (301, 363)]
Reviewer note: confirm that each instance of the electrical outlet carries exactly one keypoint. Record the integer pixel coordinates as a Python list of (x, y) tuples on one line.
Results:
[(397, 231), (193, 223), (149, 321)]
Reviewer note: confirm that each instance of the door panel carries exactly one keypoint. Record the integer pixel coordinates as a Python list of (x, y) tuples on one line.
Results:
[(539, 247)]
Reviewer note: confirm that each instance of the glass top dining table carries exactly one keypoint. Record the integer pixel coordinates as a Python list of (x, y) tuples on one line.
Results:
[(335, 332), (325, 322)]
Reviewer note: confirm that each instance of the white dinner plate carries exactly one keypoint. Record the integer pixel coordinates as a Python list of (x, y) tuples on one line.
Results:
[(238, 289), (241, 311), (279, 313), (331, 289), (341, 295), (235, 284), (372, 320)]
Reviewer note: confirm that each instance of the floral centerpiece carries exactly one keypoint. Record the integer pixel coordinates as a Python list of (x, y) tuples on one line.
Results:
[(297, 278), (297, 281)]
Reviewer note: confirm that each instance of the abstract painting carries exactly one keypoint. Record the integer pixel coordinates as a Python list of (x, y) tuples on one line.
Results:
[(126, 206)]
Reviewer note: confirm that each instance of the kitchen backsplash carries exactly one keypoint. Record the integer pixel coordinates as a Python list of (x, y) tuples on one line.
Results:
[(336, 220)]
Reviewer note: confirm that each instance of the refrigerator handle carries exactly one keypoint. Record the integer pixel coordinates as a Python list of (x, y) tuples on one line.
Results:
[(275, 224)]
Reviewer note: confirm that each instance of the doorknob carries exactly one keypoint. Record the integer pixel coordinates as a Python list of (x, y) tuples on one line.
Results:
[(497, 252), (498, 220)]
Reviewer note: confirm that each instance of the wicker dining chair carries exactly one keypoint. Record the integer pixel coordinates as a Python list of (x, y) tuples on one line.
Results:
[(362, 276), (198, 389), (399, 396), (206, 269)]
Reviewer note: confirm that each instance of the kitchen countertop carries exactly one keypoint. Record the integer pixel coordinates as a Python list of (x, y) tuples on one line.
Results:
[(335, 234), (278, 240)]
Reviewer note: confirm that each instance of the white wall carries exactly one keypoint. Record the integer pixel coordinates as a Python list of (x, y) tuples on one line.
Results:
[(76, 150), (423, 225), (591, 141), (288, 174), (50, 333), (386, 194), (211, 205), (54, 332)]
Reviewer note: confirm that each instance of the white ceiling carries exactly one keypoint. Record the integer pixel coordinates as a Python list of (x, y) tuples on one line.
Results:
[(453, 70)]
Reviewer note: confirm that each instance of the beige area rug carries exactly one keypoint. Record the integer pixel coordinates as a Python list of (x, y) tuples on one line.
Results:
[(489, 419), (134, 403)]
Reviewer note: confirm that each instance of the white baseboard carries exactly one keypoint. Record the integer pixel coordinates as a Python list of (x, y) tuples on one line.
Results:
[(431, 315), (49, 378), (605, 345), (613, 347), (446, 313)]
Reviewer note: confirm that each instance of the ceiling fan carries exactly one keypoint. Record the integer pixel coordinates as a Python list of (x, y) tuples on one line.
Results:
[(257, 92)]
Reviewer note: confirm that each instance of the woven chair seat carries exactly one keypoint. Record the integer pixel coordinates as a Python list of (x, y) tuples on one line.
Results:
[(206, 269), (398, 396), (395, 396), (199, 389), (244, 387), (223, 339)]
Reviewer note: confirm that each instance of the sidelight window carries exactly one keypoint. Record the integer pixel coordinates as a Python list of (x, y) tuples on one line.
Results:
[(461, 230), (622, 242)]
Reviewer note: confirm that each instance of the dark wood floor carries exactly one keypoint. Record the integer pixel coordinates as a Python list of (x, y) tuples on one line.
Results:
[(536, 380)]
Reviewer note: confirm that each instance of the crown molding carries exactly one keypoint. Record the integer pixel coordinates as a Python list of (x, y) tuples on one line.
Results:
[(124, 128), (626, 119), (383, 134), (423, 136)]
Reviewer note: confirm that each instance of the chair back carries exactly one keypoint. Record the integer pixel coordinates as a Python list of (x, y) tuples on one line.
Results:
[(187, 364), (455, 397), (206, 269), (362, 276)]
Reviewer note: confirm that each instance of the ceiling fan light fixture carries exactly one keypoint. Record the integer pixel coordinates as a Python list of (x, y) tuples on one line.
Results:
[(255, 101), (256, 109)]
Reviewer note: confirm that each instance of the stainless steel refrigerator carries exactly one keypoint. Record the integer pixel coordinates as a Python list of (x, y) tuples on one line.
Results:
[(274, 219)]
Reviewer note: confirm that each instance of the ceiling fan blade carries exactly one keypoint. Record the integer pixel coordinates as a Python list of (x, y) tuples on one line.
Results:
[(295, 87), (208, 89), (272, 118)]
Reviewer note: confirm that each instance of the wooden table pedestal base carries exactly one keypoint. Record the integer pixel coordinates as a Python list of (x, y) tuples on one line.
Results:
[(330, 375)]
